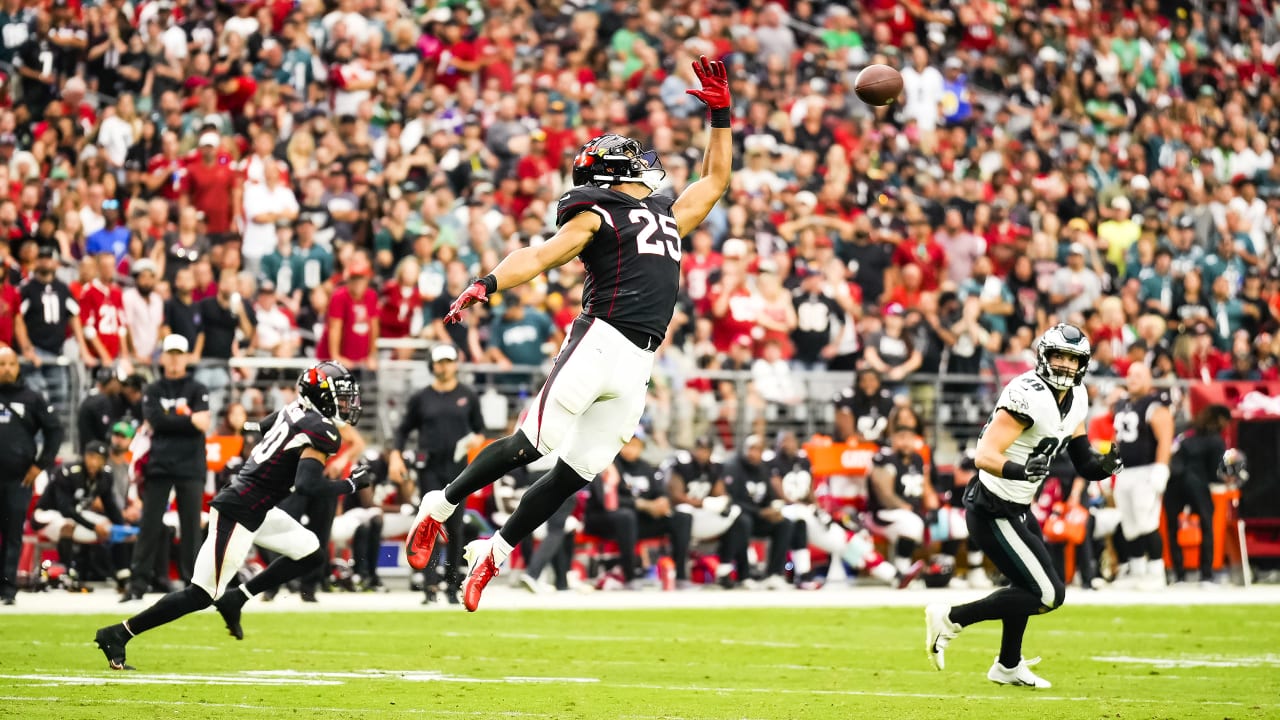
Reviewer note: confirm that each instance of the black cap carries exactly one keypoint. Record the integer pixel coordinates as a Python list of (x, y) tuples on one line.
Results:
[(104, 375), (96, 447), (47, 251), (705, 442)]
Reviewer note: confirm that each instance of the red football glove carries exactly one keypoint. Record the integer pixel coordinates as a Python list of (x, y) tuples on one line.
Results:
[(715, 83), (472, 295)]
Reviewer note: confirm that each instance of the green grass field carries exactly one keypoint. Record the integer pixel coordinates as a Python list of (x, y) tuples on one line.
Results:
[(1128, 663)]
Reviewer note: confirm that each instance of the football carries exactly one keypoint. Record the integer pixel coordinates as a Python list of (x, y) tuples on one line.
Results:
[(878, 85)]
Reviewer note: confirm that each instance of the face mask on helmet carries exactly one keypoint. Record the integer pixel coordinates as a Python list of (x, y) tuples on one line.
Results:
[(347, 394), (652, 175), (1060, 345)]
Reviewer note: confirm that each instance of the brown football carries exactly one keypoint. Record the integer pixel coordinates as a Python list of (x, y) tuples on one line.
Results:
[(878, 85)]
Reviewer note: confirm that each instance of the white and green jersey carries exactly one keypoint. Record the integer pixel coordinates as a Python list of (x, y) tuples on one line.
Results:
[(1031, 400)]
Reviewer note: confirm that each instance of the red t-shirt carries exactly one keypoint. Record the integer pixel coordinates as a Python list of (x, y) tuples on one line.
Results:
[(447, 73), (357, 316), (10, 302), (928, 256), (497, 69), (234, 103), (697, 279), (102, 313), (558, 141), (395, 315), (738, 320), (210, 187), (178, 182)]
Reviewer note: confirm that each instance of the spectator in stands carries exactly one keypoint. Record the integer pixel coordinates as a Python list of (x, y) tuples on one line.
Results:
[(747, 480), (274, 334), (862, 411), (1076, 287), (819, 323), (102, 312), (20, 464), (267, 205), (520, 331), (113, 237), (351, 328), (47, 316), (144, 312), (213, 188), (892, 353), (400, 314), (221, 317), (628, 502)]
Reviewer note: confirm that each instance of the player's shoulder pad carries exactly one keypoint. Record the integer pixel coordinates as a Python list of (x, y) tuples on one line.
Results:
[(844, 395), (883, 456), (323, 433), (579, 200), (682, 457)]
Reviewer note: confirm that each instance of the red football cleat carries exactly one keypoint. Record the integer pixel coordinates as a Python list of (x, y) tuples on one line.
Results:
[(481, 573), (422, 541)]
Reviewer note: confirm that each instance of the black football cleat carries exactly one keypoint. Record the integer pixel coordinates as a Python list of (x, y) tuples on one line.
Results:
[(229, 608), (111, 640)]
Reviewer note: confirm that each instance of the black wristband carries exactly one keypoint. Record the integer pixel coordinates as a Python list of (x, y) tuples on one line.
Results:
[(721, 117), (1013, 471), (490, 284)]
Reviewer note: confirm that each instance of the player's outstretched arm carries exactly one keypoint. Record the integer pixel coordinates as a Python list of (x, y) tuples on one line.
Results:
[(691, 208), (527, 263), (1091, 464), (310, 479)]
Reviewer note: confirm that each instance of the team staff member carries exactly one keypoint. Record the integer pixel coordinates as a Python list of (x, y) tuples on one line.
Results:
[(24, 414), (1194, 466), (446, 416), (101, 409), (749, 483), (175, 409), (1144, 439)]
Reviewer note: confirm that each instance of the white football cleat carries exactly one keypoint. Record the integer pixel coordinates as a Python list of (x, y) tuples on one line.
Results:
[(1020, 675), (938, 631)]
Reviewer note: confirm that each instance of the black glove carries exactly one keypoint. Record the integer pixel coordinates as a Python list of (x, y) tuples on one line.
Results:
[(360, 477), (1111, 462), (1037, 468)]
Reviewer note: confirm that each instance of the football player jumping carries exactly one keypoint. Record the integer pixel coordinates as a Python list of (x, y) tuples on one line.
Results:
[(298, 440), (1040, 413), (589, 407)]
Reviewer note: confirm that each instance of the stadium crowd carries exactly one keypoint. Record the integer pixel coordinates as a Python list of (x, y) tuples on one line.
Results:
[(287, 181)]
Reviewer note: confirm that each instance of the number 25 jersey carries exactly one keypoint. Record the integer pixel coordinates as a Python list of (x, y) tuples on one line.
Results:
[(633, 262), (267, 476), (1029, 399)]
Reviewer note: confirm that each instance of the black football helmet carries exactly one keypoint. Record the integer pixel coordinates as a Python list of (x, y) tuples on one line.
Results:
[(329, 389), (613, 159), (1233, 468)]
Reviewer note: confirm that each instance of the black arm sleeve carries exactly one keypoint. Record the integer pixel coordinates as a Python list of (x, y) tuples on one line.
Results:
[(1087, 460), (409, 423), (310, 480), (51, 428)]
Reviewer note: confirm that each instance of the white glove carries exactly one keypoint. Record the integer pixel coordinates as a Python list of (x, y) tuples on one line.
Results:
[(463, 447), (1159, 477)]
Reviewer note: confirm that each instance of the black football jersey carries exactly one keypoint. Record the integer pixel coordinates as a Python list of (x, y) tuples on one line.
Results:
[(47, 308), (908, 478), (267, 476), (1135, 440), (699, 480), (632, 263), (795, 473)]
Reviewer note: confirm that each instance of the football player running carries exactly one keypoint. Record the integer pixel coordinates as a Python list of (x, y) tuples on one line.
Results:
[(589, 407), (298, 440), (1039, 413)]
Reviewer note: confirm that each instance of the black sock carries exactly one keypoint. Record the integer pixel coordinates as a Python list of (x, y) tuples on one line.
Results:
[(169, 608), (67, 552), (1153, 545), (1011, 640), (282, 570), (541, 501), (1005, 603), (498, 459), (905, 548)]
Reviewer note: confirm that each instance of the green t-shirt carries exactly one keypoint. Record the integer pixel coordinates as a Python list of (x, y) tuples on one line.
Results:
[(841, 39)]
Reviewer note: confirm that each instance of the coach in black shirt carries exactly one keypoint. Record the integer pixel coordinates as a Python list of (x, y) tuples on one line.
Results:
[(24, 414), (101, 409), (446, 416), (176, 409)]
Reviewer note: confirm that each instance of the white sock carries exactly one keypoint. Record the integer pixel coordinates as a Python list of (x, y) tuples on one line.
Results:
[(902, 563), (441, 508), (501, 550), (975, 559), (801, 560), (884, 572)]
